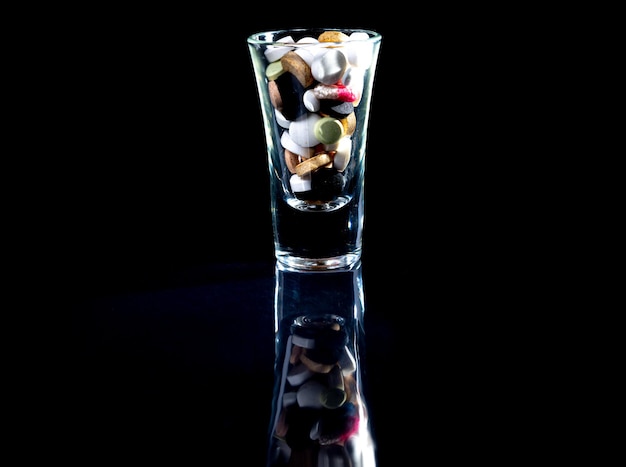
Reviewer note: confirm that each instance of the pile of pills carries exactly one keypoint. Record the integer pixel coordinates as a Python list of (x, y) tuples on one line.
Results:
[(319, 401), (315, 84)]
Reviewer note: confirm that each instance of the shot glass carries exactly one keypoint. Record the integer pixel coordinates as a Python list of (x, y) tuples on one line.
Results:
[(315, 89)]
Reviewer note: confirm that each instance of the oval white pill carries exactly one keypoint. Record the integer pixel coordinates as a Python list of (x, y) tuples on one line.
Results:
[(308, 40), (359, 36), (288, 143), (311, 102), (342, 156), (300, 184), (354, 78), (329, 67), (358, 50), (273, 53), (281, 120)]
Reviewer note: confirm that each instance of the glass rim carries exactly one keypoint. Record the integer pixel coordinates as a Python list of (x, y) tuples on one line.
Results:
[(274, 36)]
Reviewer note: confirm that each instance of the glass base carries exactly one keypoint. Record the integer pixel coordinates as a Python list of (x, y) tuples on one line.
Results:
[(298, 263), (318, 206)]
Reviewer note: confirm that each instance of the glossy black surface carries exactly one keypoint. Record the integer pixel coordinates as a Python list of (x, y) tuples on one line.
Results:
[(185, 367)]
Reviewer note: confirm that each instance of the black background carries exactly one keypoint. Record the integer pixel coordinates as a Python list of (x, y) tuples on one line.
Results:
[(159, 158), (162, 226), (160, 184)]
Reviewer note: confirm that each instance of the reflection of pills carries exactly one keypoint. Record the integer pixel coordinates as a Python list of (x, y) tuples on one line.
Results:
[(316, 367), (306, 342), (335, 378), (333, 397), (326, 355), (315, 430), (318, 404), (296, 351), (347, 362), (310, 394), (299, 374), (315, 395), (333, 455), (339, 424), (290, 398), (281, 425)]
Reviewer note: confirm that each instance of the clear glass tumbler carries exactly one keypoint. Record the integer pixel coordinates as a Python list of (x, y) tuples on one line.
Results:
[(315, 88)]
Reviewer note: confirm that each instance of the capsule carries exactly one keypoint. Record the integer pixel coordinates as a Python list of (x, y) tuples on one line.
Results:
[(336, 92)]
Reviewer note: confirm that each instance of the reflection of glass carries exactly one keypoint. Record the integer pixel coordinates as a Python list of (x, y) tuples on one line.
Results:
[(319, 414)]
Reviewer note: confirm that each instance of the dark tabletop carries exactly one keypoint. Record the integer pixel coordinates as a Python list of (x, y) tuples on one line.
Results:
[(179, 364)]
